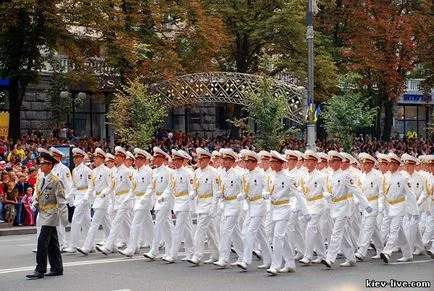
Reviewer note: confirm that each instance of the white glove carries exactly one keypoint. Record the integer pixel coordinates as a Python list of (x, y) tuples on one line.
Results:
[(368, 209), (33, 207), (161, 200), (86, 198), (191, 196), (266, 195), (380, 209), (219, 195), (307, 217), (240, 197)]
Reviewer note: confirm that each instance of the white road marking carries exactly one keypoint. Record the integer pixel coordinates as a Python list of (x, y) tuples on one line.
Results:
[(412, 262), (81, 263), (17, 239)]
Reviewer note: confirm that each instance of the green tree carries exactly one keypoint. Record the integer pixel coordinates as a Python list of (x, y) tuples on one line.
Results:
[(347, 112), (136, 113), (267, 107)]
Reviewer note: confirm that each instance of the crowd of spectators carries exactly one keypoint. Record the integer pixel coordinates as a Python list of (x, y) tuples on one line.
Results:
[(18, 161)]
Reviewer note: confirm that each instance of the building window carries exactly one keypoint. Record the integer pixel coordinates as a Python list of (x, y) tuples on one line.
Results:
[(411, 118)]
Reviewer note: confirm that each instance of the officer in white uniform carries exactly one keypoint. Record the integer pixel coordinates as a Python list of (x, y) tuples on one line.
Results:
[(231, 186), (205, 188), (82, 179), (254, 183), (101, 179), (122, 183), (160, 188), (142, 221), (313, 186), (64, 175), (280, 189), (371, 185), (412, 220), (181, 185), (383, 220), (397, 193), (340, 189)]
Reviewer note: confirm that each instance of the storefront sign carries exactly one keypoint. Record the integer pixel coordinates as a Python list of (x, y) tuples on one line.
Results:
[(4, 124)]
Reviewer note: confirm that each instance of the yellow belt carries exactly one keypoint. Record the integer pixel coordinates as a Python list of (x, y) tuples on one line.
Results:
[(314, 198), (255, 198), (280, 202), (181, 194), (229, 198), (342, 198), (396, 201), (48, 206), (372, 198), (140, 193), (82, 188), (122, 192), (159, 193), (207, 195)]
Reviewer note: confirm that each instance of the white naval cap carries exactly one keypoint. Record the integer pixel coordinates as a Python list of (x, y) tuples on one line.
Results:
[(394, 158), (187, 155), (249, 155), (109, 157), (216, 154), (409, 159), (383, 158), (176, 155), (130, 156), (202, 153), (55, 151), (264, 155), (300, 154), (323, 156), (334, 155), (276, 156), (100, 153), (243, 152), (160, 153), (78, 152), (292, 155), (311, 155), (120, 151), (229, 153), (367, 158), (138, 152), (42, 150), (346, 157)]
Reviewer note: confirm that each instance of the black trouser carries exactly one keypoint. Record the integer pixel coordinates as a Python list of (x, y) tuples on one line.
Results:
[(48, 244)]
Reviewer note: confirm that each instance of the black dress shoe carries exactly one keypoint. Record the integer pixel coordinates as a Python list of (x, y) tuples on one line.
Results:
[(52, 274), (35, 275)]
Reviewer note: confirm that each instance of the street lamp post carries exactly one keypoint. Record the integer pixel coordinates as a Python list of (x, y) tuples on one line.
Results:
[(311, 124)]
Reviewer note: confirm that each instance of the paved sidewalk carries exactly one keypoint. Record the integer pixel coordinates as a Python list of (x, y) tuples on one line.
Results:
[(19, 230)]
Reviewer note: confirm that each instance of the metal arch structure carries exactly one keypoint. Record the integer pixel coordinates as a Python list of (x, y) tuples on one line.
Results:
[(226, 87)]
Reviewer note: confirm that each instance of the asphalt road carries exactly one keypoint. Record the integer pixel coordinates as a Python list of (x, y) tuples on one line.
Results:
[(114, 272)]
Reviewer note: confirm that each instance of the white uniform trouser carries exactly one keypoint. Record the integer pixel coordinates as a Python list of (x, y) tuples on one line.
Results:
[(183, 230), (411, 230), (61, 234), (314, 239), (385, 228), (326, 224), (100, 217), (163, 230), (118, 222), (294, 232), (205, 226), (269, 225), (230, 232), (369, 230), (141, 221), (397, 238), (80, 221), (147, 233), (424, 220), (282, 248), (429, 229), (255, 230), (340, 240)]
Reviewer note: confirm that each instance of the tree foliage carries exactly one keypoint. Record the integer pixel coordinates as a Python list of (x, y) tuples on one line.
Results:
[(267, 108), (347, 112), (136, 113)]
